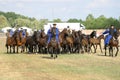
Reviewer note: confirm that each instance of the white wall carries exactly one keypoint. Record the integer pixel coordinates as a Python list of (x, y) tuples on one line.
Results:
[(61, 26)]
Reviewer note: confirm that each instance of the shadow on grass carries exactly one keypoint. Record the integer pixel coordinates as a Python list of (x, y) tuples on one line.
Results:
[(46, 57), (103, 55)]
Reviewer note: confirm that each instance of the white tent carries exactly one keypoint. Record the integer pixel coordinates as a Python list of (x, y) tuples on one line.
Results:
[(29, 30), (61, 26), (5, 29)]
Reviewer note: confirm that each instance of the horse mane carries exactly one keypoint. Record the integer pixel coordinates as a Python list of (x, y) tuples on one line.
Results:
[(93, 34)]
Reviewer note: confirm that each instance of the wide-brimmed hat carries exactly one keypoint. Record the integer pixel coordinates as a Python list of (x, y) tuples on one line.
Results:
[(54, 24)]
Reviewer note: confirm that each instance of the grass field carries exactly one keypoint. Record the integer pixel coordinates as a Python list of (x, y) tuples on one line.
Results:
[(24, 66)]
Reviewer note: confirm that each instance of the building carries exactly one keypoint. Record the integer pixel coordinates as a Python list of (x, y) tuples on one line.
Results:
[(61, 26)]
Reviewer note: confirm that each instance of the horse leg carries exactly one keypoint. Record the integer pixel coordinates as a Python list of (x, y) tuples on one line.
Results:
[(110, 51), (10, 49), (38, 48), (117, 50), (13, 49), (100, 48), (91, 47), (105, 50), (94, 48), (7, 48), (17, 49)]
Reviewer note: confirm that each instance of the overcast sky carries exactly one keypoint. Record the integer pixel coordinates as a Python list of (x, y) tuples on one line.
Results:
[(63, 9)]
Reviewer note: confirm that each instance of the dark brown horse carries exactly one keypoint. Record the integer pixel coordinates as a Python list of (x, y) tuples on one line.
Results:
[(77, 41), (32, 42), (96, 41), (114, 42), (42, 42)]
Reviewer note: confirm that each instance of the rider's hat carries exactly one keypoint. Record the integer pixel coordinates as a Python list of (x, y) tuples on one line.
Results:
[(54, 24)]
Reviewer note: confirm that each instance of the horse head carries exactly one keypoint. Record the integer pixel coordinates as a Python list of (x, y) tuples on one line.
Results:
[(116, 34), (93, 34), (36, 36), (53, 31), (42, 34)]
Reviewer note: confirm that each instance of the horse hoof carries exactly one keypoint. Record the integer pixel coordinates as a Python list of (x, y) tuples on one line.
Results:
[(51, 55)]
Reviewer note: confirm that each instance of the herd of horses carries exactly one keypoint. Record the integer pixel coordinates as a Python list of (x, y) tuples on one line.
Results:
[(69, 42)]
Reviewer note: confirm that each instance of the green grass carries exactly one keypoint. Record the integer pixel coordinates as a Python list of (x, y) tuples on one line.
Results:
[(24, 66)]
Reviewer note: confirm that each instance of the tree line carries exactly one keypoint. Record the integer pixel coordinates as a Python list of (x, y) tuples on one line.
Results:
[(16, 20)]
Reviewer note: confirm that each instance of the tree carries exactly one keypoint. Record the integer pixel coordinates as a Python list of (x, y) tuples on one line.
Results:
[(89, 21), (73, 20), (3, 21), (22, 22), (42, 22), (57, 20)]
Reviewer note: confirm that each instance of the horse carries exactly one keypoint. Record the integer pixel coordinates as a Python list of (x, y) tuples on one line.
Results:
[(76, 43), (86, 41), (66, 40), (53, 46), (114, 42), (10, 42), (96, 41), (32, 42), (23, 36), (42, 42), (62, 39)]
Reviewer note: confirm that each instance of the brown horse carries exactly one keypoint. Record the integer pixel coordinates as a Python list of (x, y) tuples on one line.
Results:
[(86, 41), (114, 42), (20, 40), (66, 40), (42, 42), (77, 41), (96, 41), (10, 42)]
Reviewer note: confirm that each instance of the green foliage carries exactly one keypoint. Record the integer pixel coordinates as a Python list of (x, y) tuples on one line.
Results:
[(16, 20), (42, 22), (73, 20), (22, 22), (3, 21), (57, 20)]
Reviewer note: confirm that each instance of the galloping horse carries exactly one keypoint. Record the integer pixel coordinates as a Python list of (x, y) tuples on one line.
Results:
[(66, 40), (77, 41), (42, 42), (53, 47), (32, 42), (114, 42), (96, 41), (86, 40), (10, 42), (20, 40)]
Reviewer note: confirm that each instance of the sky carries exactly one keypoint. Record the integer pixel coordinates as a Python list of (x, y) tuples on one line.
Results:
[(63, 9)]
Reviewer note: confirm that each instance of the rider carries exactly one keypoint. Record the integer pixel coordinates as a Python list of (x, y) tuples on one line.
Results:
[(110, 33), (50, 34), (11, 32), (23, 32)]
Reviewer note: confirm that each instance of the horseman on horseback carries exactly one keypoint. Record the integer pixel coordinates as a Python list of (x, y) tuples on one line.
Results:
[(11, 32), (110, 33), (49, 33)]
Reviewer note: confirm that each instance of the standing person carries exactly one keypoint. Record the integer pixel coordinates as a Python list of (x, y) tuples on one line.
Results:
[(109, 33), (49, 33)]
